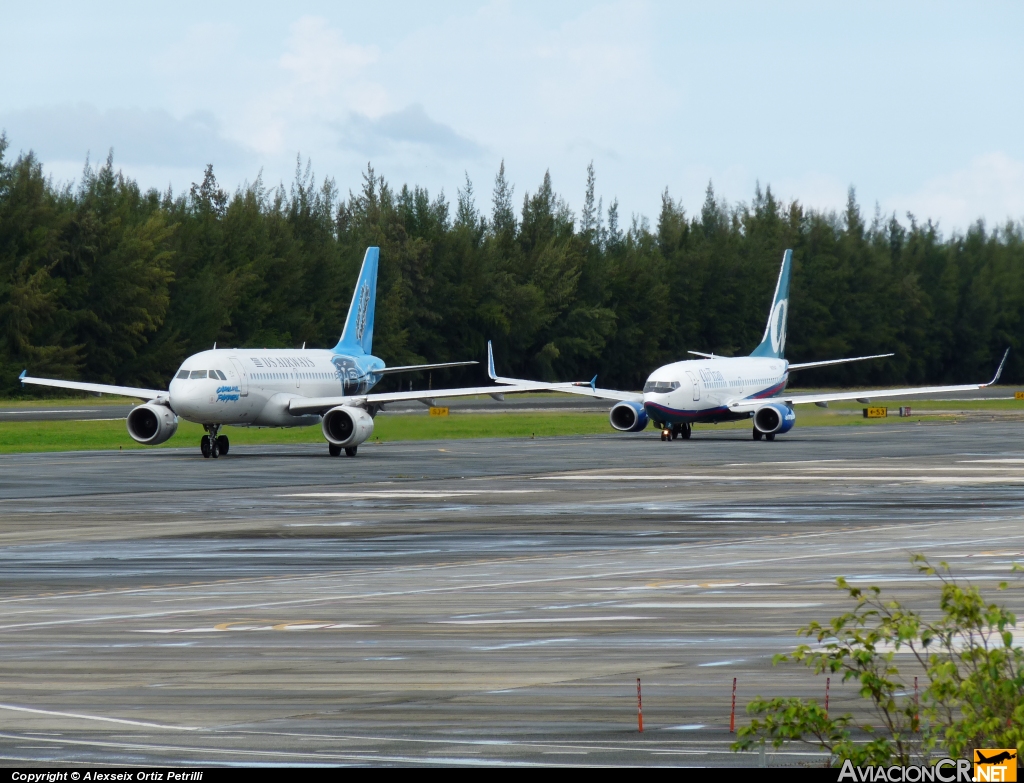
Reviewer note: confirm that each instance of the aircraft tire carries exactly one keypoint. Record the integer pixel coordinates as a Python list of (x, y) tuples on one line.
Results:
[(687, 432), (770, 436), (757, 434), (204, 446), (350, 451), (223, 445), (334, 451)]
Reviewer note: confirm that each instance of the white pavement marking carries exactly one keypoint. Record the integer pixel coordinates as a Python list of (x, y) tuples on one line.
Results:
[(79, 716), (411, 494), (537, 643), (532, 620), (888, 477), (645, 571), (720, 605), (720, 663), (1000, 461), (25, 413), (318, 758), (243, 626)]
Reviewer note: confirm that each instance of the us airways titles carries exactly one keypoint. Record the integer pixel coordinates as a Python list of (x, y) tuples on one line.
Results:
[(282, 362)]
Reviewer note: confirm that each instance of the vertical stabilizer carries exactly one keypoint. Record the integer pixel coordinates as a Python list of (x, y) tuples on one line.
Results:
[(773, 344), (358, 335)]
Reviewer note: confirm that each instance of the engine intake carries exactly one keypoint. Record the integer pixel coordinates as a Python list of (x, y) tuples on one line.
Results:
[(628, 417), (151, 424), (346, 426), (774, 419)]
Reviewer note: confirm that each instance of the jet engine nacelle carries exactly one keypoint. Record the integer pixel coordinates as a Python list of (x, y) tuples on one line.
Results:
[(628, 417), (346, 426), (774, 419), (151, 424)]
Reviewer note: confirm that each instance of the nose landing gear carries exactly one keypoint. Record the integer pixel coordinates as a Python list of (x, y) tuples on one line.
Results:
[(677, 431), (212, 444)]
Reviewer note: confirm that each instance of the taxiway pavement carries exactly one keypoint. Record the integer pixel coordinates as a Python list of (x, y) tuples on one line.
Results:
[(464, 602)]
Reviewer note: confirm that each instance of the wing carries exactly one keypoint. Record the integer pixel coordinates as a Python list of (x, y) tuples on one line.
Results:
[(582, 389), (586, 390), (299, 405), (746, 406), (419, 367), (809, 365), (96, 388)]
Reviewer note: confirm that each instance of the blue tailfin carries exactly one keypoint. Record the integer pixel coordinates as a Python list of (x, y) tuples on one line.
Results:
[(358, 335), (773, 344)]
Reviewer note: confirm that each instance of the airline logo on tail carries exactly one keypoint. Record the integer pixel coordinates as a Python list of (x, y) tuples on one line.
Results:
[(777, 328), (364, 304)]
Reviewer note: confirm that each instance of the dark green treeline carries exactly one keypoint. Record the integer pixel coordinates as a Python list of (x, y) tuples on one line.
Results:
[(106, 282)]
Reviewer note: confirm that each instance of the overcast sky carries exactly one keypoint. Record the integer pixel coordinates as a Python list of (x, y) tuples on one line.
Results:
[(917, 105)]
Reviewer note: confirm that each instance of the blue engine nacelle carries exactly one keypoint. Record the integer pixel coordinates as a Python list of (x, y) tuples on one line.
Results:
[(628, 417), (774, 419)]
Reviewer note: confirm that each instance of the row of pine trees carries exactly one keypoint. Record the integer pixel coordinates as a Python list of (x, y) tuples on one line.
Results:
[(103, 281)]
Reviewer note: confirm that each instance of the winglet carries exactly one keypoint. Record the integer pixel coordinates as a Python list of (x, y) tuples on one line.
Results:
[(24, 373), (593, 383), (490, 362), (1000, 370)]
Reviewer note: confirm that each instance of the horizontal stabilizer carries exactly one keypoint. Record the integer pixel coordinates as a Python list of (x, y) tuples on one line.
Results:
[(421, 367), (827, 362)]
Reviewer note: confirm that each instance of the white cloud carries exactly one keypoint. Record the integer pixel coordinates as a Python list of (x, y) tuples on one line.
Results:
[(408, 128), (137, 136), (320, 58), (990, 187)]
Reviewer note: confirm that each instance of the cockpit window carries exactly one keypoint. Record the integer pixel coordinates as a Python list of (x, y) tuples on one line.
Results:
[(183, 374), (198, 374), (661, 387), (218, 374)]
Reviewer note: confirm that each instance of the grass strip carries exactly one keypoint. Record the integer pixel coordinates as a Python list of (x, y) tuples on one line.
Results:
[(39, 436)]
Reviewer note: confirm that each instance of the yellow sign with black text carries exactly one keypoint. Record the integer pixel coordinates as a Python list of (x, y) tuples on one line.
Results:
[(995, 764), (438, 411), (876, 413), (1018, 395)]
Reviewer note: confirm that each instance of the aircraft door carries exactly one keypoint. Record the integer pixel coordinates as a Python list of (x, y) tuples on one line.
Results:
[(243, 380), (696, 385)]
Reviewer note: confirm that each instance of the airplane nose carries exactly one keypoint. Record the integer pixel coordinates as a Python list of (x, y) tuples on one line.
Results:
[(186, 398)]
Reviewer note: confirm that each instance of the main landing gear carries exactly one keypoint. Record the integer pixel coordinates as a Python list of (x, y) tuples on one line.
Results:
[(767, 436), (212, 444), (677, 431), (335, 451)]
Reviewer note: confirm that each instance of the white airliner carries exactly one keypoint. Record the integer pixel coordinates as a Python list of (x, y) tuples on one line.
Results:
[(714, 388), (274, 387)]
